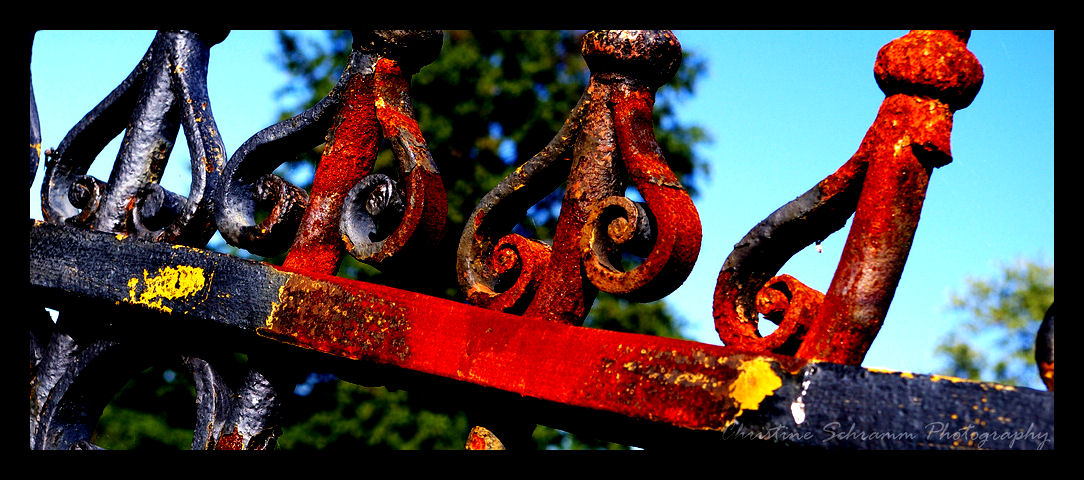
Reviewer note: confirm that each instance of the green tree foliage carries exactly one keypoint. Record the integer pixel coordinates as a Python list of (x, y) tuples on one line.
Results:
[(996, 341), (154, 411), (338, 415), (489, 102)]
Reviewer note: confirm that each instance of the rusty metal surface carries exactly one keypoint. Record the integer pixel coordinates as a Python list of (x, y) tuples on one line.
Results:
[(370, 102), (606, 144), (638, 389), (926, 76), (75, 370), (480, 438)]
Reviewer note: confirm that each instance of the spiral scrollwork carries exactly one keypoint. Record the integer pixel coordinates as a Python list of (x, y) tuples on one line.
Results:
[(619, 223), (372, 208), (248, 185), (349, 208), (606, 143), (76, 369), (85, 194), (410, 213), (166, 91)]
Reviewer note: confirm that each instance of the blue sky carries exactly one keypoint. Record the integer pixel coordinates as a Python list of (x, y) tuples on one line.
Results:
[(784, 110)]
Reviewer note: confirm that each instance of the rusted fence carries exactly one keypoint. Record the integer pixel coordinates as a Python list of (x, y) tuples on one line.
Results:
[(125, 264)]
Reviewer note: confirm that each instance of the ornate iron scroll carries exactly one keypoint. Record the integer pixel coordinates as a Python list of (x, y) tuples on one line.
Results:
[(926, 76), (80, 363), (166, 90), (350, 208), (606, 143)]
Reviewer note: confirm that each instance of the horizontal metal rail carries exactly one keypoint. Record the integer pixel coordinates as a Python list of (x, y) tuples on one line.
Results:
[(637, 389)]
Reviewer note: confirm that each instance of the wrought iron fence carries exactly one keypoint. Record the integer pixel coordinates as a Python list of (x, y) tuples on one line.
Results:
[(125, 263)]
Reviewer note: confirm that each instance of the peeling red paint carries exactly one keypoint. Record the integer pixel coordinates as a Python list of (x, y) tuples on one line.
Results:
[(231, 441), (926, 76), (375, 105), (521, 258), (683, 383), (481, 438), (340, 319), (610, 141), (676, 222), (348, 157), (564, 294)]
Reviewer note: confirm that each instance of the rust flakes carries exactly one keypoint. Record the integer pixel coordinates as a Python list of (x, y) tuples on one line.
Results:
[(697, 389), (481, 438), (338, 320), (231, 441)]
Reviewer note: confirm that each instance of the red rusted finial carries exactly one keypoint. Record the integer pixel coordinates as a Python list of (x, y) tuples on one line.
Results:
[(930, 63), (926, 76), (652, 56)]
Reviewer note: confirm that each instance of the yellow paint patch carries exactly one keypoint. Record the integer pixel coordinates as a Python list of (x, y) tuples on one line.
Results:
[(893, 372), (270, 320), (756, 380), (169, 284), (938, 378)]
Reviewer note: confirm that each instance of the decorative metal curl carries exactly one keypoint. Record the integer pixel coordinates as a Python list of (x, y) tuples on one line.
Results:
[(608, 135), (78, 364), (75, 372), (373, 204), (235, 413), (72, 383), (370, 100), (926, 76), (167, 90)]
